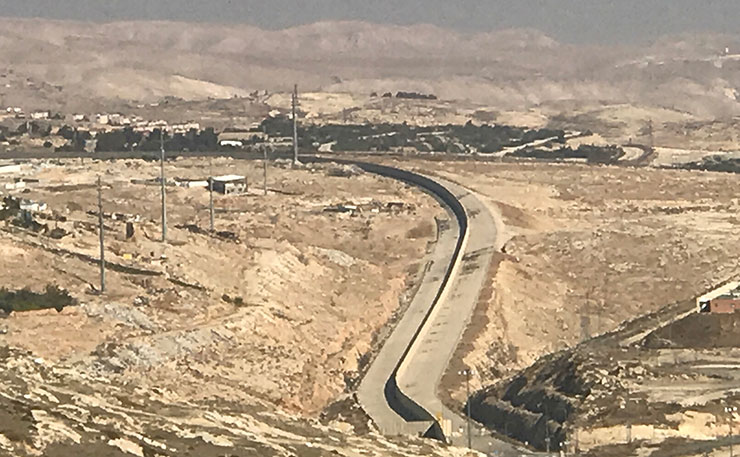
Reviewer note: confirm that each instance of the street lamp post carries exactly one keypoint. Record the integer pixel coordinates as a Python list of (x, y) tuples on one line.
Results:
[(547, 430), (731, 410), (467, 373)]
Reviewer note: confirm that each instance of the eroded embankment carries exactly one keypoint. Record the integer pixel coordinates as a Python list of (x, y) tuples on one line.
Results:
[(534, 406)]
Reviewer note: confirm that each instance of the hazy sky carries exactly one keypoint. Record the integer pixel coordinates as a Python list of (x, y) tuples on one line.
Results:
[(567, 20)]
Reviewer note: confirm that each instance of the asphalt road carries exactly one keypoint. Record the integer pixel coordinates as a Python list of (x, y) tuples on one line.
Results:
[(412, 361), (372, 393), (428, 360)]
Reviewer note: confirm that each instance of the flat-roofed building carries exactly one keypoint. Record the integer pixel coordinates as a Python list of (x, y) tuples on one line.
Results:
[(230, 184), (723, 300), (9, 168)]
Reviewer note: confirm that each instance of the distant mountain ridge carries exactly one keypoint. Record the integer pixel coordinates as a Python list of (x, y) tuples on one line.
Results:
[(144, 61), (320, 38)]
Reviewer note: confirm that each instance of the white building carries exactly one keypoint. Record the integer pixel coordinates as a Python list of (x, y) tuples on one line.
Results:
[(230, 184), (15, 185), (5, 169), (231, 143), (34, 207), (39, 115)]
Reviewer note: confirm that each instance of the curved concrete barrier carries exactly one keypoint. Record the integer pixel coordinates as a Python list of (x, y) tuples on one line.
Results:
[(400, 389), (416, 418), (379, 393)]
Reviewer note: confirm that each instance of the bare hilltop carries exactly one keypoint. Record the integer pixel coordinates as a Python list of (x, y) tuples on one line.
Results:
[(74, 65)]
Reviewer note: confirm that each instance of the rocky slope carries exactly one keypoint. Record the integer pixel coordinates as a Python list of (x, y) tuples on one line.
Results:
[(54, 411), (202, 337), (626, 393)]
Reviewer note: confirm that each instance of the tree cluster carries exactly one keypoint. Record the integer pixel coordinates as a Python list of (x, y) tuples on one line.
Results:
[(592, 154), (127, 139), (387, 137), (27, 300), (416, 96)]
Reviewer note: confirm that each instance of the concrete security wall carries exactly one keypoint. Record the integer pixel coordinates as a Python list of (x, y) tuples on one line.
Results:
[(403, 405)]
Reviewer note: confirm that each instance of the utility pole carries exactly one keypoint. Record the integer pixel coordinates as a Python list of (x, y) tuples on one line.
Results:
[(295, 125), (467, 372), (731, 410), (601, 304), (586, 312), (264, 170), (164, 183), (575, 445), (210, 194), (101, 230), (547, 430)]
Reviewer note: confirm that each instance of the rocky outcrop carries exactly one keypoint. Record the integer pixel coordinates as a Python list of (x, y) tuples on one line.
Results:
[(534, 407)]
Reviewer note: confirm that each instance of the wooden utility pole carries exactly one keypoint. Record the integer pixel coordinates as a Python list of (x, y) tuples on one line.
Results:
[(264, 170), (101, 230), (164, 183), (210, 194), (295, 125), (547, 430), (650, 135)]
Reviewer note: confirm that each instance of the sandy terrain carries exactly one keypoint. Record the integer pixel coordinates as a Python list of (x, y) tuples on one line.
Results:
[(285, 314), (586, 243), (580, 247)]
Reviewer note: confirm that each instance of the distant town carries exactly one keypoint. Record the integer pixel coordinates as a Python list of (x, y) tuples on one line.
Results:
[(117, 132)]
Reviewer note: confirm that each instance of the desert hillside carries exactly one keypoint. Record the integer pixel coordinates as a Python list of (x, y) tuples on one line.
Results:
[(71, 65)]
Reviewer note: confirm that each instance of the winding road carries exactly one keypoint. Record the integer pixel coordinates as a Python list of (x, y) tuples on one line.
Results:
[(400, 389)]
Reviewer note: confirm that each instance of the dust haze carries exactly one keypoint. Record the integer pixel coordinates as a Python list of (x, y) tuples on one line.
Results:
[(330, 234)]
